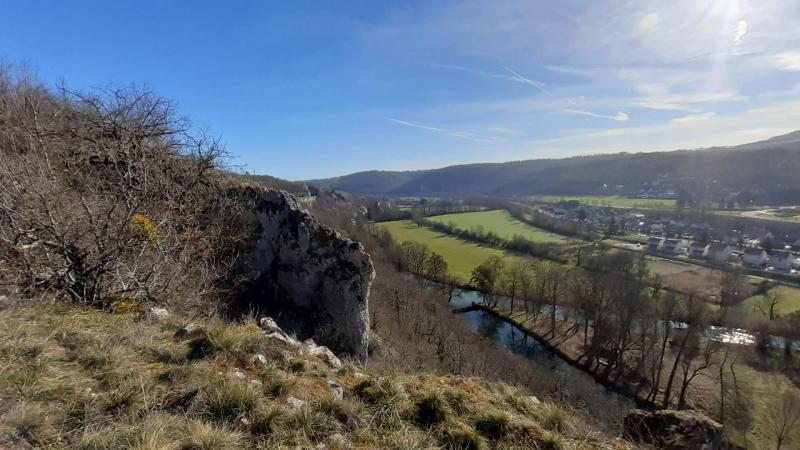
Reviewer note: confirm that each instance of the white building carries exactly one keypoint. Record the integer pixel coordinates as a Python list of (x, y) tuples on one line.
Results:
[(719, 253), (698, 249), (754, 257), (654, 244), (674, 247)]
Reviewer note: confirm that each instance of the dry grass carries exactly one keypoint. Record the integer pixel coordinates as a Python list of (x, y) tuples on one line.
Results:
[(88, 379)]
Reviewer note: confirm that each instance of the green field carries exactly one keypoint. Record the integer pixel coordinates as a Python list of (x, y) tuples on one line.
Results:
[(789, 303), (461, 256), (500, 222), (608, 200)]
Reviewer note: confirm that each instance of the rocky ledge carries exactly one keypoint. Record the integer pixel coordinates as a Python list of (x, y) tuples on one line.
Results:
[(676, 430), (306, 275)]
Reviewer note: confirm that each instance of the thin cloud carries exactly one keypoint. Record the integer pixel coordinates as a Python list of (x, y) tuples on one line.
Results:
[(476, 72), (523, 79), (452, 133), (691, 118), (570, 70), (787, 60), (619, 117)]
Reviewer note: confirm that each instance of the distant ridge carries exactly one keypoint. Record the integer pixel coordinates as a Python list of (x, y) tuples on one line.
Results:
[(770, 169)]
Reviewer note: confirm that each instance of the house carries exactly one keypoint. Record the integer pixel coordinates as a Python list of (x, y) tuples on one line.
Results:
[(719, 253), (698, 249), (654, 244), (674, 247), (781, 260), (755, 257)]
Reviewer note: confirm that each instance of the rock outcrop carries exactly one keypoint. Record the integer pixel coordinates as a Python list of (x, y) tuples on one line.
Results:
[(675, 430), (307, 276)]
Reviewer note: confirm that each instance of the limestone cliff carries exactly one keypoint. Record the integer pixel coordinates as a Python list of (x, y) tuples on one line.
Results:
[(307, 275)]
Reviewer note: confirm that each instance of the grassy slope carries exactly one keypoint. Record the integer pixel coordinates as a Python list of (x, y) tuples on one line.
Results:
[(88, 379), (609, 200), (500, 222), (461, 256)]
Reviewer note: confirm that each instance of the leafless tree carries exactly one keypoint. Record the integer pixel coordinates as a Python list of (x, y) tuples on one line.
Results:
[(516, 280), (784, 418), (769, 304)]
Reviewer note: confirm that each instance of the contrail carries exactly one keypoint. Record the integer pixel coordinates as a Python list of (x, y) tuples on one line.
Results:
[(527, 80)]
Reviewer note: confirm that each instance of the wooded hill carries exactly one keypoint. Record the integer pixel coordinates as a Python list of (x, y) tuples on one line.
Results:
[(768, 170)]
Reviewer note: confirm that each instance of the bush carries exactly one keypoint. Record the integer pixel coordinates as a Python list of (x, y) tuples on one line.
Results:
[(109, 195), (493, 426), (431, 411), (458, 436)]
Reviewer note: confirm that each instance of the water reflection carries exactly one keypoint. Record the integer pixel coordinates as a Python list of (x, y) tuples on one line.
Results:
[(504, 334)]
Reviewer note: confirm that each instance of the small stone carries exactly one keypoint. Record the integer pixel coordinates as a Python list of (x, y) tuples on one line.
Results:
[(157, 313), (237, 373), (323, 353), (334, 442), (534, 399), (336, 389), (269, 325), (295, 403), (187, 331), (283, 337), (256, 382), (243, 421), (260, 359)]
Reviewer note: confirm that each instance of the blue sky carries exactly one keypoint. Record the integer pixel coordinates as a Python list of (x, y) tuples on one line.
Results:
[(307, 89)]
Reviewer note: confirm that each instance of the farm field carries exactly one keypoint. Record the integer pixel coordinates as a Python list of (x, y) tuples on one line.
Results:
[(789, 303), (686, 277), (461, 256), (609, 200), (500, 222)]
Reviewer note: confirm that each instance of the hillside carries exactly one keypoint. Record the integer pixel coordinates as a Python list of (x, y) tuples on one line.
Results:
[(137, 282), (767, 169), (128, 378)]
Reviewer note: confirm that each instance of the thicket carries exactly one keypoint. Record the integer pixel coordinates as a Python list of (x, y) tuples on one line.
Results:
[(110, 194)]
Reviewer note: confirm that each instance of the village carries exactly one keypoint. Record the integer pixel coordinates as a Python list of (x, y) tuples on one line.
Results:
[(755, 244)]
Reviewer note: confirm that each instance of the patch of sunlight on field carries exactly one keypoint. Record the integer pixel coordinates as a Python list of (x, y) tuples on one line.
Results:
[(500, 222), (461, 256), (609, 200), (789, 303)]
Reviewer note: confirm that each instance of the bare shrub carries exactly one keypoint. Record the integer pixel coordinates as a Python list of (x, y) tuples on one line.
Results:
[(107, 195)]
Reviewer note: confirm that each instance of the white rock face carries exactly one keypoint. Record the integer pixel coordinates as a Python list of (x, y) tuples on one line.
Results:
[(313, 272)]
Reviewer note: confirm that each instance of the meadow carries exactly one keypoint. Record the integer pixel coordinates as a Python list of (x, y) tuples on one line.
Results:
[(500, 222), (461, 256), (789, 303), (608, 200)]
